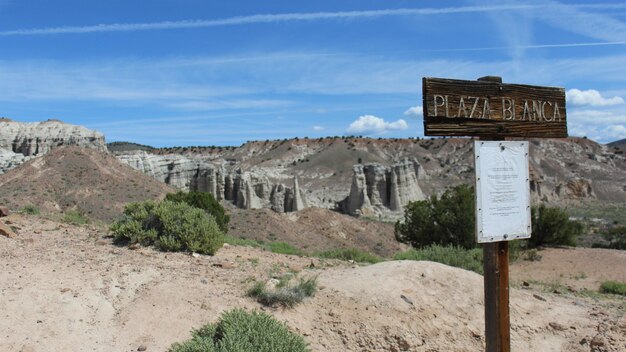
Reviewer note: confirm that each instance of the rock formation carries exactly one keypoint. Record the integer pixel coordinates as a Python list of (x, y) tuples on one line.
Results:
[(20, 141), (244, 189), (377, 189), (9, 160), (39, 137), (289, 175)]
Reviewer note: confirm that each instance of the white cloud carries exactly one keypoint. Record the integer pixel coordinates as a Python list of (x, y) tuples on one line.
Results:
[(592, 24), (600, 125), (261, 18), (591, 97), (578, 19), (370, 124), (595, 117), (318, 128), (414, 111)]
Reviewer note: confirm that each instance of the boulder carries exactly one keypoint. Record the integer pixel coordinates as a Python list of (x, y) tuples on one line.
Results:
[(4, 211)]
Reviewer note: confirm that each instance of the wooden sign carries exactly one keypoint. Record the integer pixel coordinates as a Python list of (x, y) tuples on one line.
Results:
[(490, 108)]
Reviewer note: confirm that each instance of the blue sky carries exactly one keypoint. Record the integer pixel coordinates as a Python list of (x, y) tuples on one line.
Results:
[(176, 72)]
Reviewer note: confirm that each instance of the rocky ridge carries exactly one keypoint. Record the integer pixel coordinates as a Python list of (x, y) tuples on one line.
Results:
[(20, 141), (352, 174), (245, 189), (379, 177)]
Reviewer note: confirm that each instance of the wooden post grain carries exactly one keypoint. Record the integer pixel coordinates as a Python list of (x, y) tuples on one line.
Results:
[(497, 318), (496, 283)]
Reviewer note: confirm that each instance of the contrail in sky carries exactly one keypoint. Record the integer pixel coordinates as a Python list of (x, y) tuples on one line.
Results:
[(286, 17)]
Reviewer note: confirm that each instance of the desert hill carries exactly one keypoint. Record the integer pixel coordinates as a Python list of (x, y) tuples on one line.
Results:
[(617, 143), (619, 147), (84, 179), (315, 229), (67, 289)]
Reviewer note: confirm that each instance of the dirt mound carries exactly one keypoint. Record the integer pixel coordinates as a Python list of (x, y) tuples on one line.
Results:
[(68, 290), (315, 229), (83, 179)]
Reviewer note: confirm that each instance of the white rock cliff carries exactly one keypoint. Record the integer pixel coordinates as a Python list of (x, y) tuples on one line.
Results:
[(20, 141)]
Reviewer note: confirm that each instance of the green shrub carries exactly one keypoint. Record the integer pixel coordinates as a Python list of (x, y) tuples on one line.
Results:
[(30, 209), (468, 259), (354, 254), (240, 331), (284, 248), (532, 255), (449, 220), (616, 238), (169, 226), (552, 226), (285, 294), (614, 287), (204, 201), (75, 218)]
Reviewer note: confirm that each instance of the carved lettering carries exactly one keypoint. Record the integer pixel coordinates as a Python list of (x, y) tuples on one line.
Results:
[(526, 112), (536, 110), (470, 107), (557, 113), (486, 110), (462, 108), (491, 109), (476, 100), (435, 101), (508, 109), (543, 111)]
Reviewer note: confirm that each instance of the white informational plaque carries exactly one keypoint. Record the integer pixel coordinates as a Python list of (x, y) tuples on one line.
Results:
[(502, 191)]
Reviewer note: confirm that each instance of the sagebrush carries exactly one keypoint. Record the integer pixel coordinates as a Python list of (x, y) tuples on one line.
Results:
[(285, 293), (31, 210), (169, 226), (74, 217), (204, 201), (240, 331), (614, 287)]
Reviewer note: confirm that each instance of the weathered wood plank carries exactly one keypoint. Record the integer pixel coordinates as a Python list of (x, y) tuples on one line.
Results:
[(487, 108)]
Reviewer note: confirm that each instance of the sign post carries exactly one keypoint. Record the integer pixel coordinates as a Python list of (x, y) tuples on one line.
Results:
[(491, 110)]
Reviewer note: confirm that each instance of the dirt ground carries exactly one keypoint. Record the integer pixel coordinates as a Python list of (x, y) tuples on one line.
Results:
[(315, 229), (64, 288), (574, 268)]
